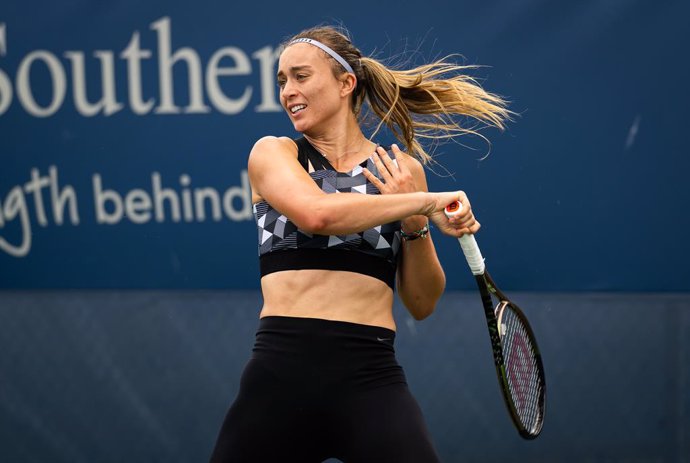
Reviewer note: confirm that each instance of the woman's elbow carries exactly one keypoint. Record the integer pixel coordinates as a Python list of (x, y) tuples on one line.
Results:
[(421, 308), (423, 305), (314, 221), (420, 313)]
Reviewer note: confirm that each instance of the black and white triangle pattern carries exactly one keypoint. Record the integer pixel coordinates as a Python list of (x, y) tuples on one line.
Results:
[(277, 232)]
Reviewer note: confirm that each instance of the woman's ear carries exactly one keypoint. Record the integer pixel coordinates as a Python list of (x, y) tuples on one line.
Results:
[(349, 83)]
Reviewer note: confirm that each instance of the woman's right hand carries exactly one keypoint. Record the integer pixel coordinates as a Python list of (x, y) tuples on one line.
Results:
[(461, 224)]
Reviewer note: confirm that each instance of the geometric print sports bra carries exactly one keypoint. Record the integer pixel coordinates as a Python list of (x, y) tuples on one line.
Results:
[(283, 246)]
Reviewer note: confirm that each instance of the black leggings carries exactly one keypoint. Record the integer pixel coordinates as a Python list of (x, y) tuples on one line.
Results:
[(318, 389)]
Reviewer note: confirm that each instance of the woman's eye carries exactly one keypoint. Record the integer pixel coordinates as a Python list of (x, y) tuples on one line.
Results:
[(298, 77)]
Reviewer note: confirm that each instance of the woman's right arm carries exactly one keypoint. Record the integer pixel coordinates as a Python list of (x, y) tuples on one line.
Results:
[(277, 177)]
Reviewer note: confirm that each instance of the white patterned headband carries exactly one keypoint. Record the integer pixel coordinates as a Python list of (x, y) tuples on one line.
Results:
[(328, 50)]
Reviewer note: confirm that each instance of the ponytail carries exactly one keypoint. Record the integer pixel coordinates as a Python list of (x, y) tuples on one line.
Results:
[(425, 102)]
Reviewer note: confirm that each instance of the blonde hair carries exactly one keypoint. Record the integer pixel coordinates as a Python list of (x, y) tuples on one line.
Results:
[(426, 102)]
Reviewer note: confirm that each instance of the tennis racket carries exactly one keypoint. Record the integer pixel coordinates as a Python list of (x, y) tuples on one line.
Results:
[(516, 354)]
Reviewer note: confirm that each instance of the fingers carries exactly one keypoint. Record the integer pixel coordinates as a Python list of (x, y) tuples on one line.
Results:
[(467, 225), (395, 176), (464, 212), (374, 180), (385, 165), (400, 166), (463, 221), (464, 218), (470, 228)]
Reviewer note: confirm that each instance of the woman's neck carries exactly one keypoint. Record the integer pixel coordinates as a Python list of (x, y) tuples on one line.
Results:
[(343, 148)]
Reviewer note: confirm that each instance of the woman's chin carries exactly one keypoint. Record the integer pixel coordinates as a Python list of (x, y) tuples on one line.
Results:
[(299, 126)]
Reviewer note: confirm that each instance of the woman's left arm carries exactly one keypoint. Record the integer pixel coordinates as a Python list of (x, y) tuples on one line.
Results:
[(421, 279)]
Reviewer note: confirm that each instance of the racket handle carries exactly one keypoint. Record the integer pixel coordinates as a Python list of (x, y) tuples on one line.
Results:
[(467, 242)]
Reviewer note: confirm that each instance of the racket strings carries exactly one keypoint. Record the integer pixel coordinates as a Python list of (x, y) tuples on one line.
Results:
[(522, 370)]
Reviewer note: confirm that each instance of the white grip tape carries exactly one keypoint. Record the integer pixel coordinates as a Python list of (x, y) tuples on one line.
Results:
[(468, 244), (472, 254)]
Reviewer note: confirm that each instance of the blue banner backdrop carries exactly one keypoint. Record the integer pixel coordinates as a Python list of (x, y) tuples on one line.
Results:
[(125, 128)]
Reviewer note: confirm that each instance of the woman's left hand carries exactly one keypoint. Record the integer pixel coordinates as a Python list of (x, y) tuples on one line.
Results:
[(396, 176)]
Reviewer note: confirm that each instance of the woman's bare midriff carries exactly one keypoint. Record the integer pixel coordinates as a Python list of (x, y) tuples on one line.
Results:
[(329, 295)]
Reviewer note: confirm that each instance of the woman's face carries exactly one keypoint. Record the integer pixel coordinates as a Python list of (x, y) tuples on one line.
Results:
[(309, 92)]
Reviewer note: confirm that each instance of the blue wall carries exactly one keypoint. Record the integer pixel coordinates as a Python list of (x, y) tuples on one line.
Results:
[(123, 333), (572, 196)]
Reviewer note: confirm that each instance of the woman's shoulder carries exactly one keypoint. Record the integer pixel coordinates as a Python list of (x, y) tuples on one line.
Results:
[(411, 162), (273, 147), (415, 167), (271, 155), (271, 142)]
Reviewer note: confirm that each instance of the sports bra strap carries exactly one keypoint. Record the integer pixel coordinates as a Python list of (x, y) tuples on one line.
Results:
[(306, 154)]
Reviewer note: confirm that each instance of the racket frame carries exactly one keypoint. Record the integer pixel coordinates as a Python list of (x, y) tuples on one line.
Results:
[(488, 290)]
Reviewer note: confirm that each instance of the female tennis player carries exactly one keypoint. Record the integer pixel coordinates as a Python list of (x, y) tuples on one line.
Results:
[(343, 222)]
